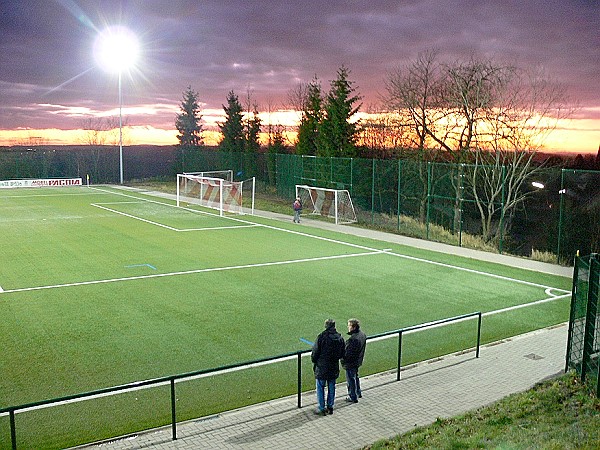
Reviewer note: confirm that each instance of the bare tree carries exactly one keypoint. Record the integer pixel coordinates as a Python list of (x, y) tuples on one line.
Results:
[(94, 130), (383, 133), (480, 112), (527, 109), (415, 92)]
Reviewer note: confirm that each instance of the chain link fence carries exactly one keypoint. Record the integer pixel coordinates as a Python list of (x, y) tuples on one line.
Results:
[(558, 214)]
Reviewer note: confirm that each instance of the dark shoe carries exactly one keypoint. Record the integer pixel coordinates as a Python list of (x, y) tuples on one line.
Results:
[(321, 412), (359, 395), (349, 400), (329, 410)]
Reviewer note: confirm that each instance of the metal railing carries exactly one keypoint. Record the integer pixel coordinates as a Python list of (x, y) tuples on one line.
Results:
[(170, 380)]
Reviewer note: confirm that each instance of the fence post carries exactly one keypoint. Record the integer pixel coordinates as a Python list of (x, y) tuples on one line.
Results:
[(13, 430), (173, 412), (598, 381), (562, 193), (429, 182), (590, 317), (399, 355), (399, 201), (501, 226), (373, 192), (299, 379), (572, 313)]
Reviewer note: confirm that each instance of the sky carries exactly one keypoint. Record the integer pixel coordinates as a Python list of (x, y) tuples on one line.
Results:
[(51, 81)]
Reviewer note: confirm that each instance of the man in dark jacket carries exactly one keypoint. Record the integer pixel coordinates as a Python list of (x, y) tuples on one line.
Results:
[(353, 358), (327, 351)]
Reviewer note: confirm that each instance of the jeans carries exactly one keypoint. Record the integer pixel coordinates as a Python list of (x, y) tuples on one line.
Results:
[(297, 216), (353, 384), (321, 393)]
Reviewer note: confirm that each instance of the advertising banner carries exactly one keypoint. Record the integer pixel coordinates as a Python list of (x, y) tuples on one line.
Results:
[(41, 182)]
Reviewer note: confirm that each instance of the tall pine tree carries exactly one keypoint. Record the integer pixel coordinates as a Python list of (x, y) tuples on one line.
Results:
[(252, 131), (189, 126), (233, 127), (312, 115), (337, 134)]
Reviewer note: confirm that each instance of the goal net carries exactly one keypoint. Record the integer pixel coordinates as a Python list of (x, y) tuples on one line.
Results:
[(333, 203), (217, 193)]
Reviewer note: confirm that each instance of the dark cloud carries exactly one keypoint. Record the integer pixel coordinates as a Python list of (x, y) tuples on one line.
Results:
[(270, 46)]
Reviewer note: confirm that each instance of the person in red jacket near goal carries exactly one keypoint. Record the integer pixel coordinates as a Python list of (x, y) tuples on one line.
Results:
[(297, 209)]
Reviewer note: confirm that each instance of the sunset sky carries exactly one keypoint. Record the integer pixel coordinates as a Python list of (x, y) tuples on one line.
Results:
[(50, 80)]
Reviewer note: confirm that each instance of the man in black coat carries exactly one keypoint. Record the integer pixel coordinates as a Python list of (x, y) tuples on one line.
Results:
[(327, 351), (353, 359)]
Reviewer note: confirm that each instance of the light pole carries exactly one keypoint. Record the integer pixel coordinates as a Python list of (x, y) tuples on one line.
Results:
[(116, 49), (120, 130)]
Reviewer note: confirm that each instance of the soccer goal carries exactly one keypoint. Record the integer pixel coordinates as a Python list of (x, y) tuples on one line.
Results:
[(333, 203), (217, 193)]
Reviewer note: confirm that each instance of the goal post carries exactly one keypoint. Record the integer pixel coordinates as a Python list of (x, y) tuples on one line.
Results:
[(332, 203), (217, 193)]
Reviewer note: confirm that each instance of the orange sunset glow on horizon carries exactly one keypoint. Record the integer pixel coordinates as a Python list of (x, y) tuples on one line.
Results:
[(577, 136)]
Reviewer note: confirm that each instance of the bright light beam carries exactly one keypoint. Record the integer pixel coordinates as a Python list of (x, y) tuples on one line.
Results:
[(117, 49)]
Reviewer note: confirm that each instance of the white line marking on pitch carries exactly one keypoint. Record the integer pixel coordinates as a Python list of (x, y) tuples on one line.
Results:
[(370, 249), (187, 272), (134, 217)]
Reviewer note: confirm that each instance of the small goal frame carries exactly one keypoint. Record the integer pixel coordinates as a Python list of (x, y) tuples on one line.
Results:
[(333, 203)]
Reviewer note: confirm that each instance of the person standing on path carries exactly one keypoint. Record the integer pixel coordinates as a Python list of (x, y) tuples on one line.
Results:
[(326, 353), (297, 205), (353, 359)]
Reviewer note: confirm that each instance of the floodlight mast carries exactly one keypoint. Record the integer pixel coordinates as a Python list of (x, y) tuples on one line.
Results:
[(118, 49), (120, 130)]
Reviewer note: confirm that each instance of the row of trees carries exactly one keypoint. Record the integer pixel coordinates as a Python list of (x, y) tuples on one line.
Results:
[(489, 118), (326, 126)]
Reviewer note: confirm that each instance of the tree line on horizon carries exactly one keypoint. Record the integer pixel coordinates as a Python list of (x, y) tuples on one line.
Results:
[(455, 112)]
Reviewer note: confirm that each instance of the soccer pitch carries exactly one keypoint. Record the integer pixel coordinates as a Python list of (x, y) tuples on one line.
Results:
[(101, 286)]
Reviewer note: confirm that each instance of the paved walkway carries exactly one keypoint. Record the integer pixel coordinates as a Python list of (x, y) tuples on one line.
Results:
[(443, 387)]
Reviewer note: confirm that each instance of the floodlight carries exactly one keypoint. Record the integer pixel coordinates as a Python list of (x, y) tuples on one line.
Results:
[(116, 49)]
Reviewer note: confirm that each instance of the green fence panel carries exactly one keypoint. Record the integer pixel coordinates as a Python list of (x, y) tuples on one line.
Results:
[(583, 345)]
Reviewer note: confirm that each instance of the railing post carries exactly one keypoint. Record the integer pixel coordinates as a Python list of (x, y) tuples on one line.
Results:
[(299, 379), (173, 412), (399, 355), (478, 335), (13, 430)]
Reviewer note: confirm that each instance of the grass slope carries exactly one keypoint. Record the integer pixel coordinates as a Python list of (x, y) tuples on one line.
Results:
[(557, 414)]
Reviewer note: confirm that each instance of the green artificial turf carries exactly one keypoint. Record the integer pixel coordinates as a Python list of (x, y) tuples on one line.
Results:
[(103, 287)]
